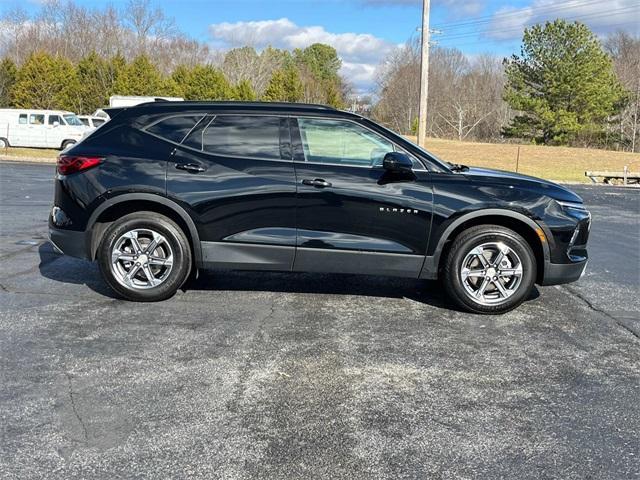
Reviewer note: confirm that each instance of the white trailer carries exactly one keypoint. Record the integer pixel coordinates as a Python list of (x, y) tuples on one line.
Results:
[(130, 101)]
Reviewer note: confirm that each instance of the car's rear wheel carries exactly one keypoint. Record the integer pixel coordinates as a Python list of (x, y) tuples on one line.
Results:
[(144, 257), (4, 143), (489, 269), (67, 143)]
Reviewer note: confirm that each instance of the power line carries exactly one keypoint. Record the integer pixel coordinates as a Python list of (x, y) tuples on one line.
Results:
[(516, 13), (475, 42), (594, 15)]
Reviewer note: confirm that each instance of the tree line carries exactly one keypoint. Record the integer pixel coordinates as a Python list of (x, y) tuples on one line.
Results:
[(70, 57), (566, 87)]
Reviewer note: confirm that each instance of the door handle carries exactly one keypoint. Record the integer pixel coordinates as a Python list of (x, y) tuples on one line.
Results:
[(190, 167), (317, 182)]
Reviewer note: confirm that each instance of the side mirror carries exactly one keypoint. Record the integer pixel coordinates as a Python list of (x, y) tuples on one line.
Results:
[(397, 162), (56, 124)]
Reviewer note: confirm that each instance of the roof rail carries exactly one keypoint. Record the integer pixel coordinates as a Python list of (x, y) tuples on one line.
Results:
[(222, 103)]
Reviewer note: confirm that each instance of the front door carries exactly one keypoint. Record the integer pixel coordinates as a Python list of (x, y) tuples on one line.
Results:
[(354, 216), (235, 175)]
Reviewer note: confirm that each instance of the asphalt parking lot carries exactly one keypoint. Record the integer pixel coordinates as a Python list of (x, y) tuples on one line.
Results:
[(258, 375)]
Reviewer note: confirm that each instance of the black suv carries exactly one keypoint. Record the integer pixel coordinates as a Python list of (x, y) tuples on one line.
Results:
[(166, 188)]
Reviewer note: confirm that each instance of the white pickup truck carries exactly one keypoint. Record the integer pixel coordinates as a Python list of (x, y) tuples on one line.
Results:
[(40, 128)]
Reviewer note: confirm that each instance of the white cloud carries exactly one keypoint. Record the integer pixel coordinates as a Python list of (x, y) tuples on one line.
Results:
[(602, 17), (360, 52)]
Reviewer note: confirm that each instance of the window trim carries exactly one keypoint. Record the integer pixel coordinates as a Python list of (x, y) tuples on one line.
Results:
[(396, 147)]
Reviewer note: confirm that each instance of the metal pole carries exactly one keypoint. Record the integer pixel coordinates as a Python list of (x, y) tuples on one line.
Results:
[(424, 75)]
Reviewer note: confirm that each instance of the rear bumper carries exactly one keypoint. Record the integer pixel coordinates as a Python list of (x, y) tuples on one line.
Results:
[(558, 273), (69, 242)]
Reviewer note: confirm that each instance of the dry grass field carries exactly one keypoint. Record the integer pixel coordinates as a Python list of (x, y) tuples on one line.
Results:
[(553, 163), (31, 154)]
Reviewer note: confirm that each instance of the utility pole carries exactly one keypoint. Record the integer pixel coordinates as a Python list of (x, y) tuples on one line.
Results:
[(424, 75)]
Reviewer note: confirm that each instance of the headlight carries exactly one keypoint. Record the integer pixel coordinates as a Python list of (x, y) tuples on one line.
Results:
[(572, 205)]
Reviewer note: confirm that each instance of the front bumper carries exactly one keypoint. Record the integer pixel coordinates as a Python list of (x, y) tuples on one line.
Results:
[(558, 273), (69, 242)]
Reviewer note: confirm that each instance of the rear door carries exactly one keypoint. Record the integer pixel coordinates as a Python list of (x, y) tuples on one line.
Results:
[(353, 216), (19, 132), (234, 174)]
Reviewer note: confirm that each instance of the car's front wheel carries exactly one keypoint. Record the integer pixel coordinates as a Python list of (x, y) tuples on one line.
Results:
[(144, 257), (489, 269)]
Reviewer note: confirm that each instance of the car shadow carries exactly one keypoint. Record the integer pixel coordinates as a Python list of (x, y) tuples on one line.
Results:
[(65, 269)]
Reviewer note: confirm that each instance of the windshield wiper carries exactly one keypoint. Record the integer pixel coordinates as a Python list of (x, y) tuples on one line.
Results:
[(457, 167)]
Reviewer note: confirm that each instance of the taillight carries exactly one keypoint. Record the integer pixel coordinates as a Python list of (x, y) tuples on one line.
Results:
[(68, 164)]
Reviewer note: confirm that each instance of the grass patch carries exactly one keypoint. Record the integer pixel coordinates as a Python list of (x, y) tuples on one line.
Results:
[(553, 163), (39, 153)]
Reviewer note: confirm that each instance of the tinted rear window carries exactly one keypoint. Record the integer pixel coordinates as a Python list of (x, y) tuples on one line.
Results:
[(174, 128), (243, 136)]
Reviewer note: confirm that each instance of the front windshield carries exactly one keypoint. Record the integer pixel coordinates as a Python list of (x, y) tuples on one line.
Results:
[(73, 120)]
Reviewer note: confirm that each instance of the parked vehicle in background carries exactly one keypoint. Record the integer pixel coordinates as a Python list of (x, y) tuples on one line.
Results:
[(168, 187), (93, 122), (40, 128)]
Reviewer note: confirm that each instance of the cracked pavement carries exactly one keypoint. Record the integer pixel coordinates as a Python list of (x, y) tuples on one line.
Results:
[(264, 375)]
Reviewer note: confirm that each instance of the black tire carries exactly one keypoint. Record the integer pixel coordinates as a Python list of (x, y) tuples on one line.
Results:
[(4, 143), (177, 241), (67, 143), (468, 241)]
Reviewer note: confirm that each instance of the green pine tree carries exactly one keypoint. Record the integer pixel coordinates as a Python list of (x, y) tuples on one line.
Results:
[(46, 82), (140, 77), (563, 84), (244, 91), (96, 82), (322, 60), (202, 82), (8, 72), (285, 86)]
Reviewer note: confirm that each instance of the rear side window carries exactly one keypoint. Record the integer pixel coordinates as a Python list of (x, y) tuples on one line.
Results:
[(97, 122), (174, 128), (243, 136), (85, 121), (22, 119)]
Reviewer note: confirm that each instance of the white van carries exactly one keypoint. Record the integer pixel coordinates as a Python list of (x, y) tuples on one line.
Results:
[(40, 128)]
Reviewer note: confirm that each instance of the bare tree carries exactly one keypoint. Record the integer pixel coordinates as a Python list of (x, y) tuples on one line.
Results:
[(625, 52)]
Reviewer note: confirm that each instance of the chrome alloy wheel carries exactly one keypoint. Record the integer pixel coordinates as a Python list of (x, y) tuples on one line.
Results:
[(141, 259), (491, 273)]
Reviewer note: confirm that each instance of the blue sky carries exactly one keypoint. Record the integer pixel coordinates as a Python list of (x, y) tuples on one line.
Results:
[(365, 31)]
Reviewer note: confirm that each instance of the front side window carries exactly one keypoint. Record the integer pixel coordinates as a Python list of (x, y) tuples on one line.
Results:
[(53, 119), (243, 136), (36, 119), (22, 119), (341, 142), (173, 128)]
